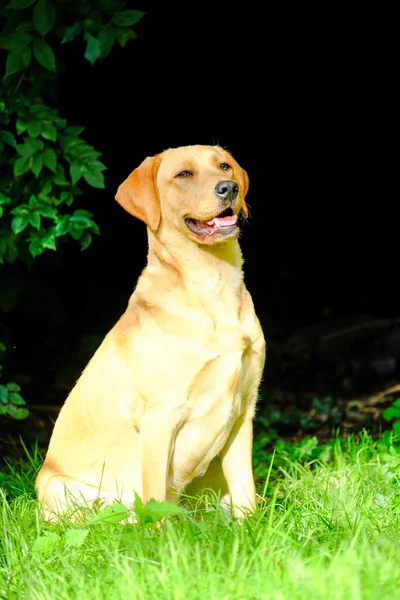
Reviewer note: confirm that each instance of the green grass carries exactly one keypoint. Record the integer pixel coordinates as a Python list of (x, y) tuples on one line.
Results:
[(325, 531)]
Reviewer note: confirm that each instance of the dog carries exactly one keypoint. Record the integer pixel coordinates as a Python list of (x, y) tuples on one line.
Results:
[(166, 404)]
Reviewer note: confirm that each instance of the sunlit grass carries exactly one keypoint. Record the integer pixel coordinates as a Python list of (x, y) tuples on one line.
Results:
[(326, 531)]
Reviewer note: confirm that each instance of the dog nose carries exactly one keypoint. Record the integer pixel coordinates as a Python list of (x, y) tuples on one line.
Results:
[(226, 190)]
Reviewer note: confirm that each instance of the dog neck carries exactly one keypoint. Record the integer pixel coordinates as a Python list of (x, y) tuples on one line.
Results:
[(189, 261)]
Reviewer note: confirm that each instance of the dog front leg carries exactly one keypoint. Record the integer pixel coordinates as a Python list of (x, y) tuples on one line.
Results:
[(157, 437), (236, 460)]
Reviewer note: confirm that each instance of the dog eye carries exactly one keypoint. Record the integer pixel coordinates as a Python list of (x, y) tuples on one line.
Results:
[(183, 174), (225, 166)]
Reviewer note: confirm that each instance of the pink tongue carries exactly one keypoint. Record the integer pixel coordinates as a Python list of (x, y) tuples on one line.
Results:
[(223, 222)]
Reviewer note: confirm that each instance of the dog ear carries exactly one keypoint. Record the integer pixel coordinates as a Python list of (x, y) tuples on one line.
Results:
[(139, 194), (243, 181), (244, 186)]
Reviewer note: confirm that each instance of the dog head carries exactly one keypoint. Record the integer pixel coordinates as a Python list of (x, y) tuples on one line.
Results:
[(198, 190)]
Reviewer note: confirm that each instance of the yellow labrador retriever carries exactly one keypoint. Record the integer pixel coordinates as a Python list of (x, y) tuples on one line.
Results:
[(168, 398)]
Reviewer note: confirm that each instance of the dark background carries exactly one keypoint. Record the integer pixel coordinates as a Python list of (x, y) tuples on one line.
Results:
[(301, 98)]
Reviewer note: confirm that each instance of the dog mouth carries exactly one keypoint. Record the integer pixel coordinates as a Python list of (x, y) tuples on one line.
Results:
[(225, 223)]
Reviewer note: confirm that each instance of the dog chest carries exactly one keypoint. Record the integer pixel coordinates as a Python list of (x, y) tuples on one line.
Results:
[(219, 395)]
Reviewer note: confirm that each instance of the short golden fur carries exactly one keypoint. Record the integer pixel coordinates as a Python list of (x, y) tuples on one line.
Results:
[(166, 403)]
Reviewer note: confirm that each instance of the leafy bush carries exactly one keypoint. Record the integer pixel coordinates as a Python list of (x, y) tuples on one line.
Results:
[(11, 403), (45, 160), (392, 413)]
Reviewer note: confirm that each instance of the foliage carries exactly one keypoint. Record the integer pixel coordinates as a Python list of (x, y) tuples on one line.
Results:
[(392, 413), (270, 425), (11, 402), (151, 512), (45, 161)]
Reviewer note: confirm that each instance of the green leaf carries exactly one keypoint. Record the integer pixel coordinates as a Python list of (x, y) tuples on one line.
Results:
[(47, 545), (17, 413), (62, 225), (21, 209), (19, 223), (18, 61), (74, 147), (21, 126), (74, 130), (49, 160), (33, 202), (65, 196), (75, 231), (46, 189), (106, 37), (20, 4), (3, 394), (93, 49), (164, 509), (126, 18), (34, 219), (1, 211), (8, 138), (94, 19), (75, 171), (84, 152), (124, 35), (41, 110), (44, 16), (83, 222), (6, 200), (48, 212), (15, 40), (110, 514), (16, 399), (154, 511), (13, 387), (71, 33), (21, 166), (391, 413), (94, 228), (44, 54), (49, 132), (29, 147), (36, 247), (93, 175), (80, 212), (41, 240), (49, 241), (37, 165), (75, 537), (16, 48), (80, 221), (34, 128), (59, 178), (396, 429), (85, 240)]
